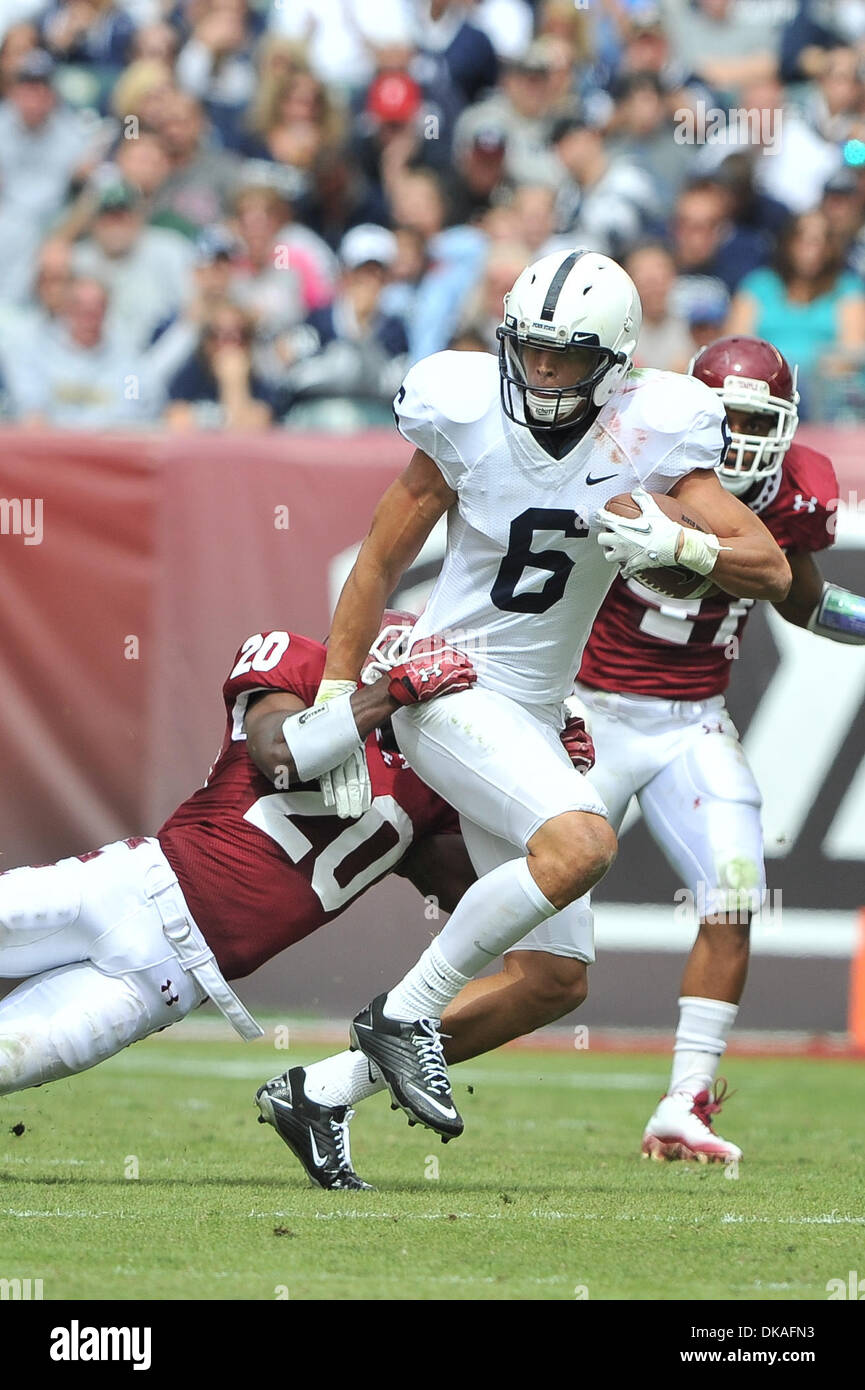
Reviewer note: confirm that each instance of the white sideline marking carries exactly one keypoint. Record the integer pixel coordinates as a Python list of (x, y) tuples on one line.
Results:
[(829, 1219)]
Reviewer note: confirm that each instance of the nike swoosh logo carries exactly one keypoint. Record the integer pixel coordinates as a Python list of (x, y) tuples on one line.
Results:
[(493, 955), (606, 478), (448, 1112), (316, 1156)]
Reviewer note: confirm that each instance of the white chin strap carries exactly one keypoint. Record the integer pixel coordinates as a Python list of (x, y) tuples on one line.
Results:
[(544, 410)]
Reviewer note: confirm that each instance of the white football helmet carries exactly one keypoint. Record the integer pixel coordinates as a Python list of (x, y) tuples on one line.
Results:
[(576, 302)]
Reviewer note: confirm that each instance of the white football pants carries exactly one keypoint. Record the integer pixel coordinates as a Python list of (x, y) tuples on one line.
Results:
[(89, 932), (502, 765), (684, 763)]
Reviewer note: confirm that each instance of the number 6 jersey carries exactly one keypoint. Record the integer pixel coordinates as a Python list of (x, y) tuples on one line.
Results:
[(262, 868), (524, 576)]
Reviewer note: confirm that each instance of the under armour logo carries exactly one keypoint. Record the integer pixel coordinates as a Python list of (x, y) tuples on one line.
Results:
[(800, 504), (169, 997)]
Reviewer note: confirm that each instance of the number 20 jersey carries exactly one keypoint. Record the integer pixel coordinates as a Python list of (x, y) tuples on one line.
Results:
[(523, 574), (682, 649), (262, 868)]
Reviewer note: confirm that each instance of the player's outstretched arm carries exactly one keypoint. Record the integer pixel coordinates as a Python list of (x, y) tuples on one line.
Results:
[(750, 564), (820, 606), (406, 514), (290, 743)]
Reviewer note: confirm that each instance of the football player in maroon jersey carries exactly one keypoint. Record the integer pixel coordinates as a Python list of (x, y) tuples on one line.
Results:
[(652, 682), (115, 944)]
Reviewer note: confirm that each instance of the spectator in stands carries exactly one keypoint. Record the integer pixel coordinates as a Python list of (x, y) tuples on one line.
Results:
[(647, 49), (833, 104), (339, 196), (341, 36), (159, 41), (367, 256), (479, 180), (843, 205), (792, 160), (284, 270), (806, 303), (42, 148), (813, 32), (388, 133), (216, 261), (748, 208), (92, 38), (524, 108), (203, 179), (665, 341), (217, 388), (216, 65), (483, 308), (74, 375), (138, 98), (724, 44), (19, 40), (705, 240), (641, 133), (507, 24), (147, 270), (605, 203), (533, 208), (418, 200), (299, 123)]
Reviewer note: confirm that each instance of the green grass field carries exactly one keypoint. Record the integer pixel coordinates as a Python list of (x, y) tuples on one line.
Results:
[(544, 1197)]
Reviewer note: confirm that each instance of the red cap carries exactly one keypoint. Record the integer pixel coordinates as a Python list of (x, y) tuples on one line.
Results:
[(393, 98)]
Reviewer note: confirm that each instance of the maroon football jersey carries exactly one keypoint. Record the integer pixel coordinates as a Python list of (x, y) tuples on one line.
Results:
[(681, 649), (262, 868)]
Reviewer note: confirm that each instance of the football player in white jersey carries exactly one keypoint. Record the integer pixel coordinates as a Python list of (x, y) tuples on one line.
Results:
[(522, 454)]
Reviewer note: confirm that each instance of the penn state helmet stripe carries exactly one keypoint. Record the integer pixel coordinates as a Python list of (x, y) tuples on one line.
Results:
[(558, 280)]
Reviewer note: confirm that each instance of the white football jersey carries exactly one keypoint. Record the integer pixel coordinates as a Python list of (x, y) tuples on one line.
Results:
[(523, 574)]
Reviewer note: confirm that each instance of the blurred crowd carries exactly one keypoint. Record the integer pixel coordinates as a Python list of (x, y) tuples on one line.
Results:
[(236, 214)]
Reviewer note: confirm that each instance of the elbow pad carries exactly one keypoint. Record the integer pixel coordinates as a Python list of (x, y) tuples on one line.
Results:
[(321, 737), (839, 615)]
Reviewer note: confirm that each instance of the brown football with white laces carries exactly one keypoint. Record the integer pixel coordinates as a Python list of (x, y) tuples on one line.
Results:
[(668, 581)]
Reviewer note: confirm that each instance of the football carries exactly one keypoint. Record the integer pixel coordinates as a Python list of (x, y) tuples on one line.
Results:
[(670, 581)]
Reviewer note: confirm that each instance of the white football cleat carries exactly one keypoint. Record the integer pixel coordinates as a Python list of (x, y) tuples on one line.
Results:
[(681, 1127)]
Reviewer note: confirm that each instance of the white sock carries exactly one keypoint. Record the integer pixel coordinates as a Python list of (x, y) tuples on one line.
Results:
[(496, 912), (427, 989), (701, 1039), (341, 1080)]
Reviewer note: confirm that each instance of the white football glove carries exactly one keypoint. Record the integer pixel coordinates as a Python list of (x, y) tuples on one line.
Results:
[(346, 788), (651, 540)]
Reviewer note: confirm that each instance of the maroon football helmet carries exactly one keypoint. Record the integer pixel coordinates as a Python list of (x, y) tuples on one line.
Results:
[(759, 393), (389, 647)]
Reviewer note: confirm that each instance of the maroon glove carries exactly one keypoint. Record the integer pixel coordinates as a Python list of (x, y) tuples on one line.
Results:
[(432, 669), (578, 744)]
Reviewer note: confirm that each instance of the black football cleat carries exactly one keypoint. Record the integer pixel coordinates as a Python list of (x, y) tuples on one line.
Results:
[(316, 1134), (411, 1061)]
